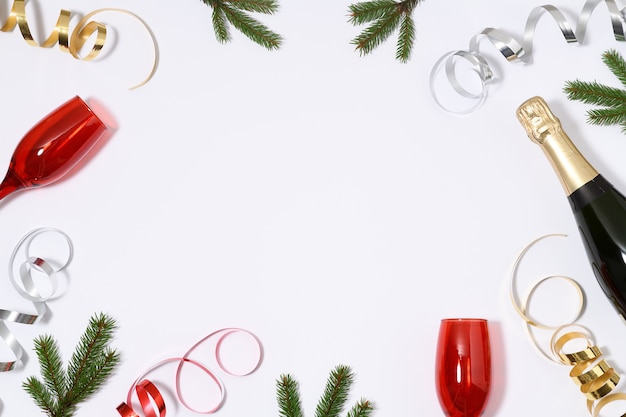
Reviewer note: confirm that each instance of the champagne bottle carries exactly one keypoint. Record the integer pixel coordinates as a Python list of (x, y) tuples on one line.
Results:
[(599, 209)]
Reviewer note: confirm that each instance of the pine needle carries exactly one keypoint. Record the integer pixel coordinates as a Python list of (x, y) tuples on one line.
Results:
[(252, 28), (332, 402), (90, 366), (377, 32), (363, 408), (384, 17), (235, 12), (220, 27), (406, 38), (366, 12), (288, 397), (336, 392), (611, 99), (616, 64)]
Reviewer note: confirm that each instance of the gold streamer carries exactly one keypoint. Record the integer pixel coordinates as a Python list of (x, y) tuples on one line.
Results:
[(594, 376), (74, 43)]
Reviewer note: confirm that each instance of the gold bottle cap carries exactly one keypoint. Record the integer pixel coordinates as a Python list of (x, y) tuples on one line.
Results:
[(538, 120), (544, 128)]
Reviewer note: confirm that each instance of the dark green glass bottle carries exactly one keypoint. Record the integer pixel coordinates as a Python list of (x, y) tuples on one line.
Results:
[(599, 209)]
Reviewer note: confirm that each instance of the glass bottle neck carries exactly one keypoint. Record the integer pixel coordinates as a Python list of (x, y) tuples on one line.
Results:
[(544, 128), (570, 165)]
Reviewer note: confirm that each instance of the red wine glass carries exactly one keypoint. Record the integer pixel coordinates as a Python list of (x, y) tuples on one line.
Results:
[(53, 147), (463, 366)]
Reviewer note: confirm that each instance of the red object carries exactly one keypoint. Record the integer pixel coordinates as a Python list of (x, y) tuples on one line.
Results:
[(463, 366), (53, 147)]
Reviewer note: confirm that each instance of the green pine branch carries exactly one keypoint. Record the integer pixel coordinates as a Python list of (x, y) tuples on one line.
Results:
[(611, 99), (385, 17), (235, 13), (93, 361), (289, 402), (332, 402)]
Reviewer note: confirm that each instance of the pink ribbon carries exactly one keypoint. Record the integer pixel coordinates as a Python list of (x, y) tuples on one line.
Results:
[(150, 397)]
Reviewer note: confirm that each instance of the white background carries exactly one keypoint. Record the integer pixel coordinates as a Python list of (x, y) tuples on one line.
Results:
[(314, 197)]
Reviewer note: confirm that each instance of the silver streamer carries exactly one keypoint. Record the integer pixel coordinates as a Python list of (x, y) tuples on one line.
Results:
[(28, 290), (513, 50)]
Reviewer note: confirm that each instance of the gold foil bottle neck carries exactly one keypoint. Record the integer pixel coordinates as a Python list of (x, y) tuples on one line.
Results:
[(544, 128), (538, 120)]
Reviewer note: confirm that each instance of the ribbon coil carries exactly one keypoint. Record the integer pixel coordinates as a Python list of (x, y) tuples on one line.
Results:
[(150, 397), (513, 50), (26, 287), (594, 376), (74, 43)]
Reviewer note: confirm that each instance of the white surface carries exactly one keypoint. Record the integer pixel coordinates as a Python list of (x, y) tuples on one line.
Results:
[(312, 196)]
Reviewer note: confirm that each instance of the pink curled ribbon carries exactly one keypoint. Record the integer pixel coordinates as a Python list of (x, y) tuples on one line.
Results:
[(512, 50), (27, 289), (150, 397)]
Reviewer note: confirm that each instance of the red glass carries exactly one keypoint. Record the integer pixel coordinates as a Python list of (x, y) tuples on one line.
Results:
[(463, 366), (53, 147)]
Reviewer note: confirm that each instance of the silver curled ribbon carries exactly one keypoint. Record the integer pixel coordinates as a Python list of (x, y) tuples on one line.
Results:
[(27, 288), (513, 50), (594, 376)]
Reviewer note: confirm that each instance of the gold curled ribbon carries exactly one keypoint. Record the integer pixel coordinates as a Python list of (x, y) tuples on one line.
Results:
[(84, 29), (594, 376), (28, 290), (74, 43), (513, 50)]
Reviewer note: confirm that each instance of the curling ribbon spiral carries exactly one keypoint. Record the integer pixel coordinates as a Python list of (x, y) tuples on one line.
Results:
[(594, 376), (73, 43), (28, 290), (150, 397), (513, 50)]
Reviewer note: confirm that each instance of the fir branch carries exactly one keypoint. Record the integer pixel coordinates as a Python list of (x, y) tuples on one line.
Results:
[(616, 64), (336, 392), (608, 116), (369, 11), (252, 28), (258, 6), (386, 16), (51, 365), (377, 32), (91, 364), (612, 99), (406, 38), (235, 13), (40, 394), (332, 401), (363, 408), (220, 27), (592, 92), (288, 397)]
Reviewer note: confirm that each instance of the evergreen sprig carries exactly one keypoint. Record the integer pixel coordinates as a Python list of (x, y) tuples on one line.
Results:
[(235, 13), (93, 361), (384, 18), (612, 99), (332, 402)]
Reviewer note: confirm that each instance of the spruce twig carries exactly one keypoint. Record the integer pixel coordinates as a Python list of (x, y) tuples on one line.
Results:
[(235, 13), (332, 402), (289, 403), (336, 392), (93, 361), (385, 17), (611, 99)]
